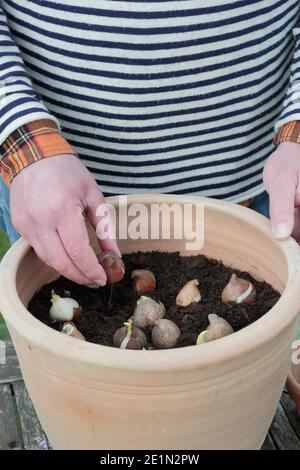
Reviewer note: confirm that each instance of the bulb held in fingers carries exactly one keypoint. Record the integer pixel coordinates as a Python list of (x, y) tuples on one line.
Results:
[(189, 294), (165, 334), (147, 311), (113, 266), (238, 291), (143, 281), (64, 308)]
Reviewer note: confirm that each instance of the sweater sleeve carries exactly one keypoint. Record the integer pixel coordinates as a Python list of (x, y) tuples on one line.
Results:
[(31, 143), (19, 102), (291, 105)]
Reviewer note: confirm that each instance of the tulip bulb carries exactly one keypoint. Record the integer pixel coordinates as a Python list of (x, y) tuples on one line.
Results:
[(165, 334), (113, 266), (143, 281), (201, 337), (239, 291), (147, 311), (70, 329), (188, 294), (129, 337), (64, 308), (217, 328)]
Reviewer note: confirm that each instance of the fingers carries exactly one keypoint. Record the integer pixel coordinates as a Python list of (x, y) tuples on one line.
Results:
[(49, 249), (282, 206), (100, 218), (296, 231), (73, 234)]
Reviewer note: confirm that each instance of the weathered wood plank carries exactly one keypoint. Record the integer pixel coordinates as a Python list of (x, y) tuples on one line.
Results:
[(282, 431), (268, 443), (9, 436), (10, 371), (33, 435), (290, 410)]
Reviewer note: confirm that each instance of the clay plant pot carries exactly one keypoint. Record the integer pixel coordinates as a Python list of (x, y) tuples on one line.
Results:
[(220, 395)]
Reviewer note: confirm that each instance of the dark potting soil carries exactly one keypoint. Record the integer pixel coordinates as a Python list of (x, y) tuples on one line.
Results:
[(100, 319)]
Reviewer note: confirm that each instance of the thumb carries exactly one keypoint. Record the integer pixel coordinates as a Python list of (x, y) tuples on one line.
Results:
[(282, 207)]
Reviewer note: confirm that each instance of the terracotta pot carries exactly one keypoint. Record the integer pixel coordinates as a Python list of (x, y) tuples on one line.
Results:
[(221, 395)]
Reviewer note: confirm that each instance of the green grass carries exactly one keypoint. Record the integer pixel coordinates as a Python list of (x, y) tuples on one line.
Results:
[(4, 245)]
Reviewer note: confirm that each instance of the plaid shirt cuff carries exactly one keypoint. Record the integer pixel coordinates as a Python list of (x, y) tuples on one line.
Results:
[(290, 132), (28, 144)]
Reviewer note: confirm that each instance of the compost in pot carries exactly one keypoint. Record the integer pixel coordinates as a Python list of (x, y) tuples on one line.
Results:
[(164, 300)]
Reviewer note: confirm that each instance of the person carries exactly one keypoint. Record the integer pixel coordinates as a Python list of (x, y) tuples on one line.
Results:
[(144, 96)]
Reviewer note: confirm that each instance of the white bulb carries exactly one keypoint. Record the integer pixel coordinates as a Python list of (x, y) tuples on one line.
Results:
[(64, 308)]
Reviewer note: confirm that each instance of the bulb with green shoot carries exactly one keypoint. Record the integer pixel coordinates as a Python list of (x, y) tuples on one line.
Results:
[(217, 328), (64, 308), (129, 337)]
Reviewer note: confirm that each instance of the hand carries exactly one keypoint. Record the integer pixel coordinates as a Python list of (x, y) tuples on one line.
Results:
[(48, 201), (282, 182)]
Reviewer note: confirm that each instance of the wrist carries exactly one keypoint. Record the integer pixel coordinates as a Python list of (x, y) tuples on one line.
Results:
[(288, 146), (289, 132), (29, 144)]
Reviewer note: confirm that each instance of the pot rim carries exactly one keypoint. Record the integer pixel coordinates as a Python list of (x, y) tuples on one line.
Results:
[(242, 342)]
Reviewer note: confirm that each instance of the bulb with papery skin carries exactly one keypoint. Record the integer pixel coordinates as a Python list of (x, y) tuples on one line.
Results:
[(165, 334), (217, 328), (64, 308), (113, 266), (129, 337), (71, 330), (143, 281), (189, 294), (147, 311), (238, 291)]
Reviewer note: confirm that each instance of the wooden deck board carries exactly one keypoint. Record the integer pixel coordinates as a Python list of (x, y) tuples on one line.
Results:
[(282, 431), (10, 371), (290, 410), (269, 444), (34, 437), (9, 435)]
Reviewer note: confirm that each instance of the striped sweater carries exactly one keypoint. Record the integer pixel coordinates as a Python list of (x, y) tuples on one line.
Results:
[(155, 96)]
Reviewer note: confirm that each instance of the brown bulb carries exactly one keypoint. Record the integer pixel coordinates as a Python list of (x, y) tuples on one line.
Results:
[(70, 329), (165, 334), (129, 337), (238, 291), (113, 266), (147, 311), (188, 294), (143, 281), (217, 328)]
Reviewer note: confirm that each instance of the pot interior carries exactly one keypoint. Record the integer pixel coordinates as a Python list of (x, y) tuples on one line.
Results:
[(234, 236)]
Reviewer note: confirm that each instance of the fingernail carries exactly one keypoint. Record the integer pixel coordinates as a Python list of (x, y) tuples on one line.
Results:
[(101, 282), (280, 231)]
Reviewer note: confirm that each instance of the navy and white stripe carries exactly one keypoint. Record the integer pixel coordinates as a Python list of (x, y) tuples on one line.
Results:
[(158, 96)]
